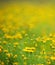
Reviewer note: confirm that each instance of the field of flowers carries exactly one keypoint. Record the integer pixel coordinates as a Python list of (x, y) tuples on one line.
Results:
[(27, 34)]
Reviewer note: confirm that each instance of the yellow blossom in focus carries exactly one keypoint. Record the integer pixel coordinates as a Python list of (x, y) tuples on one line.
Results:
[(29, 49)]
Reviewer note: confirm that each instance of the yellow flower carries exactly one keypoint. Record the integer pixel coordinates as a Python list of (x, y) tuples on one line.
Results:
[(23, 55), (4, 42), (24, 58), (2, 63), (52, 57), (18, 35), (29, 49), (38, 39), (25, 63), (5, 29), (15, 56), (48, 62), (8, 36), (15, 44), (46, 57), (9, 55), (15, 63), (36, 45), (6, 51), (23, 31), (45, 38), (1, 49)]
